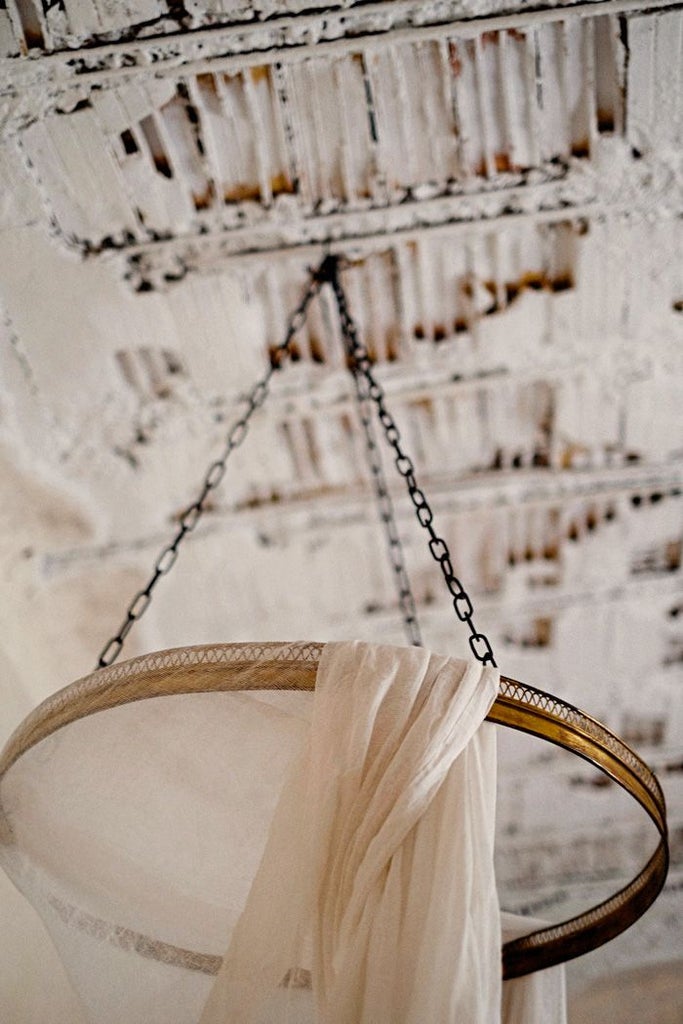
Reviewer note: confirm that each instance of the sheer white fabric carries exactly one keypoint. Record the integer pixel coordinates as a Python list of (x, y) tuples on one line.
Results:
[(378, 880), (145, 833), (539, 998)]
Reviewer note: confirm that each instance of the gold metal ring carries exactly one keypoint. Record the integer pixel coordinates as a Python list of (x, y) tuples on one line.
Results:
[(293, 666)]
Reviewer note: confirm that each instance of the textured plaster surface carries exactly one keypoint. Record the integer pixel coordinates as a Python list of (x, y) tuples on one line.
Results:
[(510, 196)]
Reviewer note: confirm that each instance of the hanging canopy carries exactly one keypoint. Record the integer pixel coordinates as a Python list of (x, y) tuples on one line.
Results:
[(136, 803)]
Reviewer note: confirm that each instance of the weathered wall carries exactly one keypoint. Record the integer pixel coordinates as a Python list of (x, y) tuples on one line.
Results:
[(510, 194)]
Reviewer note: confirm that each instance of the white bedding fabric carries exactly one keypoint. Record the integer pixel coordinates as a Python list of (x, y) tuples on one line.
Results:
[(375, 901)]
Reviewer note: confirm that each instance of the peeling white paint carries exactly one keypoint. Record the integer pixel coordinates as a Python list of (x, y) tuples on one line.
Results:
[(509, 191)]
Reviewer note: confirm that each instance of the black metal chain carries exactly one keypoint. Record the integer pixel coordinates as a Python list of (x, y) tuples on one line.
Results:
[(479, 642), (214, 475), (368, 389), (385, 508)]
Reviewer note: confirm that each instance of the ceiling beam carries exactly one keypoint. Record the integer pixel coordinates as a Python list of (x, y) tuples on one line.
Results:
[(286, 39)]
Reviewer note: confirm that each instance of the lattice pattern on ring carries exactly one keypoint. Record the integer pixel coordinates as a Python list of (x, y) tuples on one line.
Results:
[(596, 914), (309, 652), (182, 657), (302, 651), (528, 695), (131, 941)]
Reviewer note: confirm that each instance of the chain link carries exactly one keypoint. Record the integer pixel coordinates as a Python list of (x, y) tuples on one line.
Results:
[(368, 390), (213, 477), (385, 507), (362, 366)]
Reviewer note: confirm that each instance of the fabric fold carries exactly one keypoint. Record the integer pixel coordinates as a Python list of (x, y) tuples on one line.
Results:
[(376, 888)]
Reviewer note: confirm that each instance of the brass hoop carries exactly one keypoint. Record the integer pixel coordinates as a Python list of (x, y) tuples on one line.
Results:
[(293, 666)]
